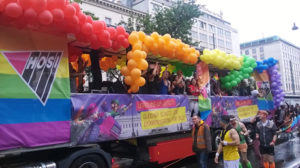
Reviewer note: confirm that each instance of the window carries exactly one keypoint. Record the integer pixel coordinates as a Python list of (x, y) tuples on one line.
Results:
[(212, 28), (203, 37), (220, 32), (108, 20), (221, 43), (194, 35), (211, 39), (247, 52), (228, 34), (228, 44), (202, 25), (253, 50), (255, 56), (156, 7), (261, 49)]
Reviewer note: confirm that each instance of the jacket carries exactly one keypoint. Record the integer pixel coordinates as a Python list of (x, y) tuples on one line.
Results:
[(266, 133), (203, 138)]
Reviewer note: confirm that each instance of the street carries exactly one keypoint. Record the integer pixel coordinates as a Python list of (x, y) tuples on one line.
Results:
[(286, 156)]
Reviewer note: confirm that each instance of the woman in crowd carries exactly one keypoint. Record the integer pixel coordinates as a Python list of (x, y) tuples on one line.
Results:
[(165, 84)]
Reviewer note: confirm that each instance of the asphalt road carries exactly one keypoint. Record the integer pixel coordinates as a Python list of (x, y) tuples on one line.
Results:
[(287, 155)]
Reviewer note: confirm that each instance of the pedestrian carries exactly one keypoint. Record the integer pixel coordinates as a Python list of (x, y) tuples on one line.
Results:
[(229, 144), (201, 140), (256, 142), (242, 131), (266, 133)]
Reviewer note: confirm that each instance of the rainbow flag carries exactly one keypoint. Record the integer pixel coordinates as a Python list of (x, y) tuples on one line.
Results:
[(35, 106)]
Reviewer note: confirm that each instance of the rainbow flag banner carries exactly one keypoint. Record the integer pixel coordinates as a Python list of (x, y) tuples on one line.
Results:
[(35, 105)]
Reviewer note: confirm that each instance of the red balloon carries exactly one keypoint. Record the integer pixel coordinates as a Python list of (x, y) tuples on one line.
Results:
[(25, 3), (58, 15), (89, 19), (30, 15), (112, 31), (95, 46), (126, 35), (104, 36), (69, 10), (87, 28), (120, 38), (98, 26), (82, 38), (13, 10), (46, 17), (93, 38), (76, 6), (121, 30), (125, 43), (75, 20), (39, 5), (115, 46), (106, 44), (81, 17), (51, 4)]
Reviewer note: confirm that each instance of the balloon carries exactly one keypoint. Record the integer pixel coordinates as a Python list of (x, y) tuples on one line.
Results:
[(46, 17), (143, 64), (137, 46), (81, 17), (99, 26), (30, 15), (133, 38), (115, 46), (135, 73), (120, 37), (137, 55), (128, 80), (112, 32), (69, 11), (120, 30), (125, 43), (51, 4), (131, 64), (13, 10), (140, 81), (134, 88), (58, 15), (125, 71), (129, 55), (141, 35), (87, 28)]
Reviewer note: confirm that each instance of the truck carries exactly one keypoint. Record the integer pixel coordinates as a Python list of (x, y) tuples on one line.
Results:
[(43, 124)]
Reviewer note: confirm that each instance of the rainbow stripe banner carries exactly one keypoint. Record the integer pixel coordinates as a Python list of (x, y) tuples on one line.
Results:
[(35, 105)]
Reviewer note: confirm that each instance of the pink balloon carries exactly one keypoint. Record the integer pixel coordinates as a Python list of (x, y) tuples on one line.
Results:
[(46, 17), (52, 4), (58, 15), (89, 19), (87, 29), (13, 10), (98, 26), (81, 17), (115, 46), (120, 30), (76, 6), (30, 15), (112, 31), (69, 11)]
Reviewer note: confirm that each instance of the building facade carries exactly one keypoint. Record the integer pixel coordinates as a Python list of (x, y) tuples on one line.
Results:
[(285, 52), (210, 29)]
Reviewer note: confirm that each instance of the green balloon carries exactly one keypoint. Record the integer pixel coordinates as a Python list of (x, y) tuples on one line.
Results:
[(227, 85), (246, 76), (254, 65), (235, 73), (234, 83)]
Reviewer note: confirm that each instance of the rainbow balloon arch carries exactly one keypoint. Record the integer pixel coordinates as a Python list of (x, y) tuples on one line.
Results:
[(60, 17)]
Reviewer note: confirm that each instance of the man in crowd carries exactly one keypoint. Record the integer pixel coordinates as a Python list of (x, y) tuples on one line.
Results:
[(229, 144), (266, 133), (201, 140), (242, 131)]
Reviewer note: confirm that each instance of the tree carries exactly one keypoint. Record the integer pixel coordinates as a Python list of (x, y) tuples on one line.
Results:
[(176, 21)]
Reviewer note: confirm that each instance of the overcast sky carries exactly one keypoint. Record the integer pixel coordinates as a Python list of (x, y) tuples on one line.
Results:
[(255, 19)]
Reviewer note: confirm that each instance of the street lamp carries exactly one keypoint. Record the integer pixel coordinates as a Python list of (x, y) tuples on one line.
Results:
[(295, 27)]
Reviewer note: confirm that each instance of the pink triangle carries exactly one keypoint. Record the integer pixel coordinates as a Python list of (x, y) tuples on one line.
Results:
[(17, 59)]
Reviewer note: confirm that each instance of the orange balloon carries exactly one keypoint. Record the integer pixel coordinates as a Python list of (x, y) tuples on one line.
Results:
[(129, 55), (193, 58), (154, 47), (140, 81), (145, 48), (137, 55), (131, 64), (135, 73), (128, 80), (155, 35), (148, 41), (167, 37), (114, 58), (134, 88), (142, 35), (133, 38), (125, 71), (144, 55), (137, 46), (143, 64)]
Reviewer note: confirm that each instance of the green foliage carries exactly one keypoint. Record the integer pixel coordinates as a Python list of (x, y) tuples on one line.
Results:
[(176, 21)]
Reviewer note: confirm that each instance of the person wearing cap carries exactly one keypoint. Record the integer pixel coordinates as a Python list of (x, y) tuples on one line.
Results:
[(266, 133), (230, 141), (242, 131), (201, 140)]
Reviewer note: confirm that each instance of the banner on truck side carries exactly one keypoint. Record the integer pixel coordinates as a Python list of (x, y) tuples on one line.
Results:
[(103, 117), (245, 108), (35, 90)]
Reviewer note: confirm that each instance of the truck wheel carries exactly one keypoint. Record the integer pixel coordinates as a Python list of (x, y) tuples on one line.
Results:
[(89, 161)]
